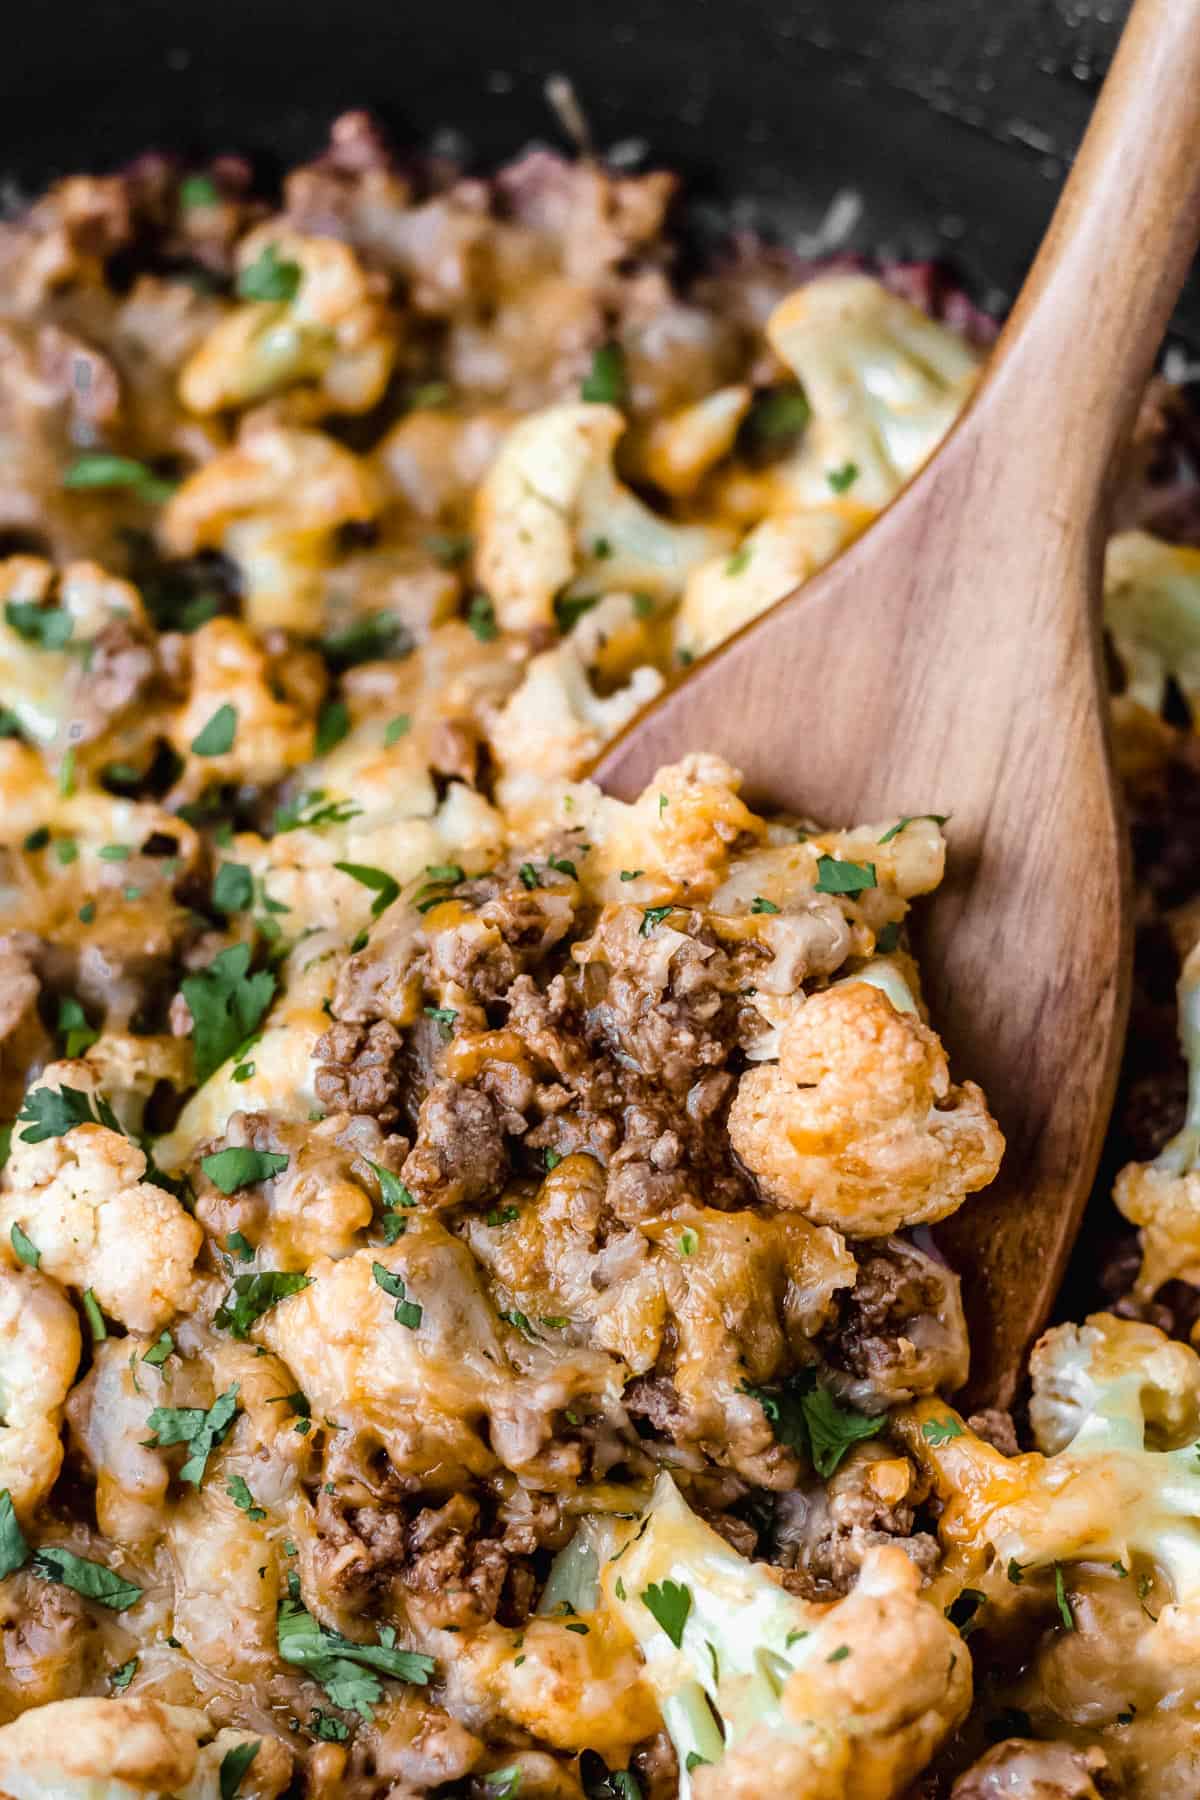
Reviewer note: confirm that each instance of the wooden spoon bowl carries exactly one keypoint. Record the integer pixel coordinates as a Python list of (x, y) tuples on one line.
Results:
[(950, 662)]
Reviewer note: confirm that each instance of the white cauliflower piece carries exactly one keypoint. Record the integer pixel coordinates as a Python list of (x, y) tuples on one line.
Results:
[(858, 1124), (780, 554), (334, 331), (1152, 611), (446, 1385), (227, 1585), (1117, 1407), (39, 676), (107, 1413), (679, 449), (847, 1701), (129, 1749), (273, 504), (274, 697), (555, 723), (884, 382), (39, 1353), (81, 1199), (550, 498), (1163, 1196)]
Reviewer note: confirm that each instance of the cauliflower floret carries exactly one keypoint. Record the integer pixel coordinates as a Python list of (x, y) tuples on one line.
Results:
[(858, 1124), (273, 504), (551, 513), (680, 449), (443, 1385), (107, 1414), (1152, 611), (1163, 1196), (132, 1749), (227, 1585), (1104, 1494), (780, 554), (576, 1690), (334, 330), (884, 382), (96, 1223), (39, 1353), (50, 689), (274, 698), (678, 833), (555, 723), (847, 1701)]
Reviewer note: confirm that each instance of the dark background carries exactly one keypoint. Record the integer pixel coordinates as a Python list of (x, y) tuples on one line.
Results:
[(952, 119)]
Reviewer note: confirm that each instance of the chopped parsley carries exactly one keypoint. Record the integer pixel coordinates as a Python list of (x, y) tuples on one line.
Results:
[(119, 1679), (239, 1166), (607, 381), (778, 416), (269, 277), (233, 888), (689, 1242), (397, 728), (382, 885), (964, 1610), (838, 1655), (25, 1249), (94, 1317), (481, 617), (216, 738), (1015, 1571), (407, 1311), (449, 547), (48, 1113), (529, 876), (201, 1430), (326, 1729), (227, 1005), (234, 1765), (14, 1551), (740, 560), (72, 1025), (551, 1158), (631, 874), (49, 627), (311, 811), (333, 724), (253, 1295), (91, 1579), (101, 470), (239, 1245), (653, 916), (835, 877), (445, 1016), (840, 480), (198, 190), (243, 1499), (759, 905), (1060, 1595), (343, 1668), (162, 1347), (570, 608), (941, 1431), (807, 1418), (37, 839), (373, 638), (888, 938), (911, 819), (669, 1602)]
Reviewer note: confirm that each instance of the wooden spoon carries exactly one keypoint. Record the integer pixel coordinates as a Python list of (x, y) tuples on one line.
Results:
[(950, 662)]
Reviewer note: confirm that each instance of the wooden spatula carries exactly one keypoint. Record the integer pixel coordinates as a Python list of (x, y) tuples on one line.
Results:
[(949, 662)]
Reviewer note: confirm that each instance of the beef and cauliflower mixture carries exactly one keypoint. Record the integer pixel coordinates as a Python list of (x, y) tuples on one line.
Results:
[(468, 1319)]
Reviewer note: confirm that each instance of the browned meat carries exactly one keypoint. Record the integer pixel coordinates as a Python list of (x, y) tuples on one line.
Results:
[(665, 1004), (902, 1331), (119, 670), (360, 1070), (459, 1158), (657, 1768), (458, 1578), (996, 1427), (359, 1549), (1024, 1769), (49, 1642), (599, 220), (24, 1040), (823, 1530), (80, 377)]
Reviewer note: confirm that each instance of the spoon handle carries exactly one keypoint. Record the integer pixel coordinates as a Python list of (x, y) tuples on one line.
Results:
[(1081, 340)]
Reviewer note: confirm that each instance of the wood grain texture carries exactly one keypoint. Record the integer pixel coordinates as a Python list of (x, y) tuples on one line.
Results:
[(950, 662)]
